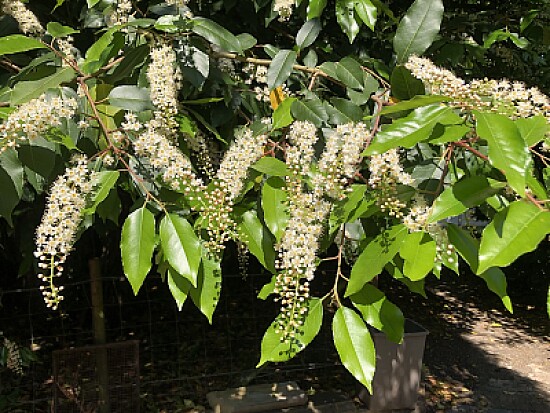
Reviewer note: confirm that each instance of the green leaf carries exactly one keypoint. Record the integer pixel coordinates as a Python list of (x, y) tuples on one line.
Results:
[(315, 8), (246, 40), (418, 251), (282, 116), (380, 312), (17, 43), (58, 30), (133, 60), (280, 68), (354, 345), (366, 12), (343, 111), (216, 34), (533, 129), (345, 15), (374, 257), (271, 166), (99, 52), (268, 288), (132, 98), (137, 245), (404, 85), (11, 181), (92, 3), (414, 128), (25, 91), (274, 206), (102, 183), (468, 248), (275, 351), (258, 239), (39, 156), (448, 133), (466, 193), (311, 110), (507, 149), (181, 246), (308, 33), (418, 28), (350, 73), (416, 102), (179, 287), (513, 231), (209, 284)]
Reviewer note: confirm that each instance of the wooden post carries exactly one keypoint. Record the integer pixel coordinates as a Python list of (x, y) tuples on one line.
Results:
[(100, 336)]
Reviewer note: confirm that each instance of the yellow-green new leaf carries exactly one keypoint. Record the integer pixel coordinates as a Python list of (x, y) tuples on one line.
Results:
[(181, 246), (137, 245), (17, 43), (514, 231), (274, 350), (507, 149), (354, 345)]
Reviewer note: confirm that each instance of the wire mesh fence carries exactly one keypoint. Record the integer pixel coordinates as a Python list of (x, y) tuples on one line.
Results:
[(181, 356)]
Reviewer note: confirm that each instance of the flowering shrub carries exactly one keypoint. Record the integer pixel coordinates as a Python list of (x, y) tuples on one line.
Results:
[(279, 141)]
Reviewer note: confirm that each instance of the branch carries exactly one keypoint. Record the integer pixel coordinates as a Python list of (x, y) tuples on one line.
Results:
[(474, 151)]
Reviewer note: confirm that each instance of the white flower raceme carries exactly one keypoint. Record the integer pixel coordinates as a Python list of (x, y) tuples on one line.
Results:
[(28, 22), (120, 13), (283, 8), (386, 172), (512, 99), (178, 3), (13, 359), (417, 217), (55, 235), (33, 119), (175, 168)]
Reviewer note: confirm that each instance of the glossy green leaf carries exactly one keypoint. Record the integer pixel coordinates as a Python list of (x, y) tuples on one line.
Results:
[(416, 102), (380, 312), (404, 85), (39, 156), (216, 34), (350, 73), (416, 127), (267, 289), (315, 8), (98, 52), (418, 250), (343, 111), (58, 30), (258, 239), (275, 351), (374, 257), (345, 16), (395, 269), (274, 206), (448, 133), (137, 245), (308, 33), (280, 68), (418, 28), (282, 116), (17, 43), (247, 41), (311, 110), (507, 149), (132, 98), (181, 246), (11, 181), (533, 129), (466, 193), (468, 248), (133, 60), (25, 91), (271, 166), (367, 12), (103, 182), (179, 287), (354, 345), (92, 3), (209, 284), (514, 231)]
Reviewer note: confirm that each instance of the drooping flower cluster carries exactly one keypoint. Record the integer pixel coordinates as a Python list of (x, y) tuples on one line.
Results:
[(33, 119), (56, 233), (339, 160), (165, 158), (417, 217), (512, 99), (245, 150), (178, 3), (164, 78), (283, 8), (386, 172), (257, 77), (28, 22), (121, 13), (13, 360)]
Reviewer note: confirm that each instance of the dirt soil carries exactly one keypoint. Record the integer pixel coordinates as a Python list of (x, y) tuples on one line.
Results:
[(480, 358)]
